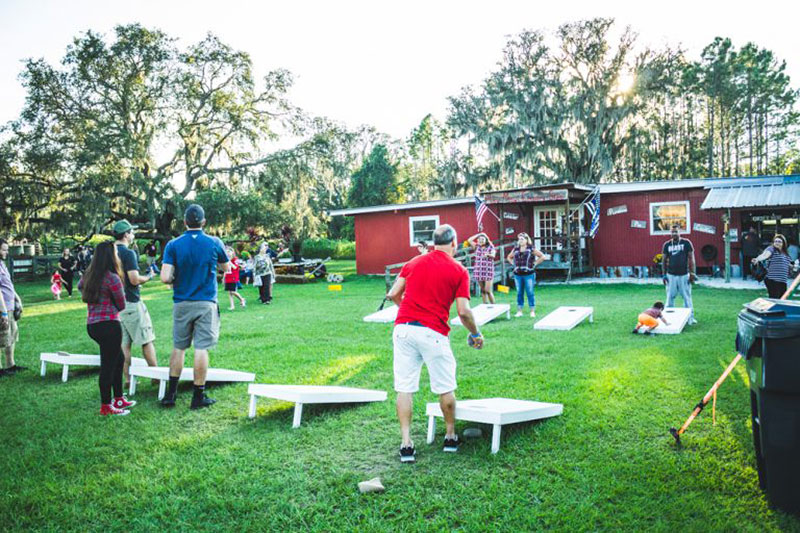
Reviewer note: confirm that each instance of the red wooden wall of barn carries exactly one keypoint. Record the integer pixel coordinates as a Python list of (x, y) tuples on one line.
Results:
[(383, 238), (619, 244)]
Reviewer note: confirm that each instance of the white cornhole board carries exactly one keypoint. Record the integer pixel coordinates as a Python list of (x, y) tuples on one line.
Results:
[(384, 316), (565, 318), (485, 313), (76, 359), (302, 394), (161, 373), (677, 317), (494, 411)]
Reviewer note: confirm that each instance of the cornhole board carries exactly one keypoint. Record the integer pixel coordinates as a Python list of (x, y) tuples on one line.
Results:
[(75, 359), (485, 313), (495, 411), (677, 317), (303, 394), (384, 316), (161, 373), (565, 318)]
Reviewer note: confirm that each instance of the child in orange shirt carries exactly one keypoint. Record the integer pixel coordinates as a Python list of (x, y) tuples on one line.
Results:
[(648, 319)]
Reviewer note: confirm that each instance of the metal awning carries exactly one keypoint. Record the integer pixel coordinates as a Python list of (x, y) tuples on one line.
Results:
[(786, 193)]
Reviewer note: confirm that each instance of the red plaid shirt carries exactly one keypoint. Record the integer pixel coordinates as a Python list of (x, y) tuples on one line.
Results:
[(112, 300)]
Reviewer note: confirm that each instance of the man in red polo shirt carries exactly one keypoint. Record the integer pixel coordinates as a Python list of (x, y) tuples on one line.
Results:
[(424, 291)]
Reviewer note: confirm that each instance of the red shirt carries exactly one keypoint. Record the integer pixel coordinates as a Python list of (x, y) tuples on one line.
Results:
[(433, 282), (233, 277), (111, 300)]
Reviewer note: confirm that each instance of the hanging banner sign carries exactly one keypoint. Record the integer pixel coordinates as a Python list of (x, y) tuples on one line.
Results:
[(641, 224), (510, 216), (524, 196), (509, 231), (704, 228), (618, 210), (734, 234)]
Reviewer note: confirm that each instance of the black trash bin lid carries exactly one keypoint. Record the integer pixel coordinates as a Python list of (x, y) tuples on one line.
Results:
[(767, 318)]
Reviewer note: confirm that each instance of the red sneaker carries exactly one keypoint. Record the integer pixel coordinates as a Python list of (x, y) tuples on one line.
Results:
[(108, 410), (122, 403)]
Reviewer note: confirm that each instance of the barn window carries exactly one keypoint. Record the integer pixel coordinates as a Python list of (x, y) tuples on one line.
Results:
[(421, 228), (664, 214)]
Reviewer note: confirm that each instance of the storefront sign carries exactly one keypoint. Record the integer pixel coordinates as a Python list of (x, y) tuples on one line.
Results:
[(525, 196), (704, 228), (509, 231), (510, 216), (734, 234), (640, 224), (618, 210)]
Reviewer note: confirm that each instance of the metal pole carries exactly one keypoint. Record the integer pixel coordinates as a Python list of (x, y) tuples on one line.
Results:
[(727, 225)]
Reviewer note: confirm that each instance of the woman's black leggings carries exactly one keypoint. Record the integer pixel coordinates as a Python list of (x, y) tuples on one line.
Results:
[(775, 289), (108, 334), (265, 290), (67, 277)]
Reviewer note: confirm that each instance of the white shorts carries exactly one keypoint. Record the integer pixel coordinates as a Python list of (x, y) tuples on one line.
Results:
[(414, 345)]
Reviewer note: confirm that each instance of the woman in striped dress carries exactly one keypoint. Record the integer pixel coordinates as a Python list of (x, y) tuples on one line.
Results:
[(778, 266), (483, 268)]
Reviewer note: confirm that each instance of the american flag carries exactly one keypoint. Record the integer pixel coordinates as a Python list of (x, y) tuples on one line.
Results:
[(480, 210), (593, 206)]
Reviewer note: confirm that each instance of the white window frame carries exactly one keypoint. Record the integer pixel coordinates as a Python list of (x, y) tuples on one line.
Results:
[(413, 242), (667, 232)]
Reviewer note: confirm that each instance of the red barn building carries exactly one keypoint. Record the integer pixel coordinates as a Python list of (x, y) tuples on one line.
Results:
[(634, 221)]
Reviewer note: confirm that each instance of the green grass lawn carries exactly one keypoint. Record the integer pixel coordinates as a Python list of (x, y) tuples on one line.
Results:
[(608, 463)]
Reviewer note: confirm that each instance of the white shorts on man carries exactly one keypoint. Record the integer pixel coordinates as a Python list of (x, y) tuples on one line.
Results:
[(414, 345)]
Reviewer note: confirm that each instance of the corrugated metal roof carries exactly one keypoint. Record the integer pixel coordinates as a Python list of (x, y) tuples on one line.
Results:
[(775, 194)]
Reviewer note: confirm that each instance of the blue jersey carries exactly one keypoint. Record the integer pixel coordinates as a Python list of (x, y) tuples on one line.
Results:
[(195, 256)]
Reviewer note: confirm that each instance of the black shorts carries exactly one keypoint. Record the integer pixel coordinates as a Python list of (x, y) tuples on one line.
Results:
[(230, 287)]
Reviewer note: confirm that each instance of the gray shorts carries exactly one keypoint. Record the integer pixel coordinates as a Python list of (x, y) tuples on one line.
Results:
[(195, 322)]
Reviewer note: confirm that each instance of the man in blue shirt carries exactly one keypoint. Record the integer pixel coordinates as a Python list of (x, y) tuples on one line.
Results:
[(190, 265)]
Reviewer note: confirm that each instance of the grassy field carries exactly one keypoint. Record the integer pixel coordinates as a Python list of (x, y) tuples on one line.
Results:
[(607, 463)]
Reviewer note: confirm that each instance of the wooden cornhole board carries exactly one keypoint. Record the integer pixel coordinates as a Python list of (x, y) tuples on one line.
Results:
[(565, 318), (677, 317), (161, 373), (384, 316), (485, 313), (495, 411), (75, 359), (303, 394)]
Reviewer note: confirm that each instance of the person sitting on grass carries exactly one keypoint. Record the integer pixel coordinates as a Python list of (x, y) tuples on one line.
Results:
[(232, 279), (648, 319), (55, 285)]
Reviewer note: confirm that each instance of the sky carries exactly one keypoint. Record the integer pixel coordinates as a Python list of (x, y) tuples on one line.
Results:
[(387, 64)]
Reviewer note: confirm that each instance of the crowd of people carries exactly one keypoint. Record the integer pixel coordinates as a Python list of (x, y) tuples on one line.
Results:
[(427, 286)]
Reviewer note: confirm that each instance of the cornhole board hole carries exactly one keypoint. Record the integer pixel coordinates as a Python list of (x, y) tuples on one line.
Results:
[(161, 373), (303, 394), (384, 316), (75, 359), (495, 411), (565, 318), (485, 313), (677, 317)]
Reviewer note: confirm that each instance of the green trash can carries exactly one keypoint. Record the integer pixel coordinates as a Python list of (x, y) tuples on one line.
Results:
[(769, 340)]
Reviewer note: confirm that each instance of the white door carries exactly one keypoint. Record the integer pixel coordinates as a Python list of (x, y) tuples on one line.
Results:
[(547, 227)]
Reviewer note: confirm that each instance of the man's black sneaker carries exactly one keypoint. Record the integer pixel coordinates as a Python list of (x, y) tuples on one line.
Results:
[(168, 400), (408, 454), (451, 445), (17, 368), (198, 402)]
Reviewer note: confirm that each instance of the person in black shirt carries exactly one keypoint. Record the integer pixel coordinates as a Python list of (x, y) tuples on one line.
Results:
[(679, 269), (750, 249), (66, 266)]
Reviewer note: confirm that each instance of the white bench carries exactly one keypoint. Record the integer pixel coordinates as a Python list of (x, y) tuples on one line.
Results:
[(161, 373), (677, 317), (495, 411), (67, 360), (384, 316), (303, 394), (485, 313), (565, 318)]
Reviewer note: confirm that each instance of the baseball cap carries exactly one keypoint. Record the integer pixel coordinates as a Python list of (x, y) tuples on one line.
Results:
[(122, 226), (194, 215)]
